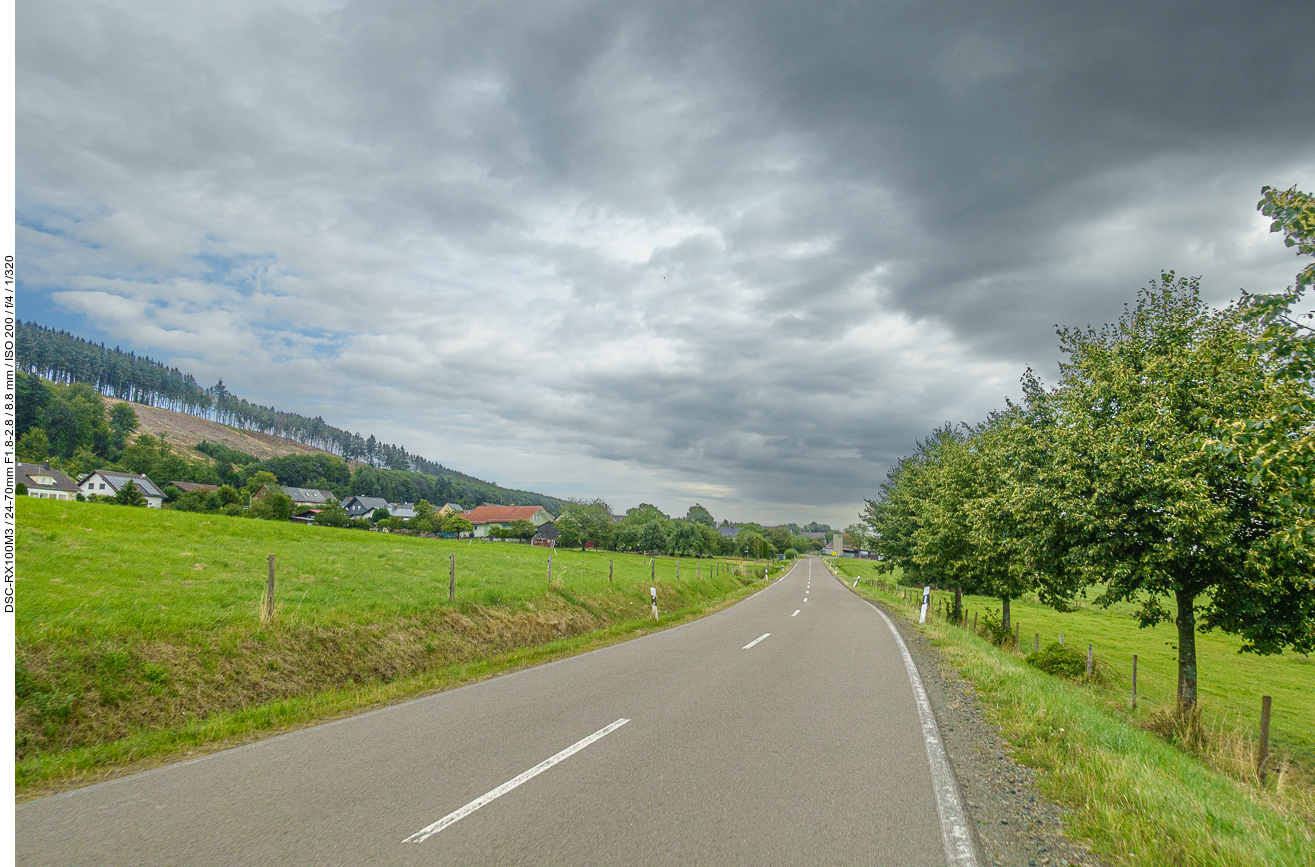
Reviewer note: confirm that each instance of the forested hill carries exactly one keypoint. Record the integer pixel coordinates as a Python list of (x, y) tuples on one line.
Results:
[(63, 357)]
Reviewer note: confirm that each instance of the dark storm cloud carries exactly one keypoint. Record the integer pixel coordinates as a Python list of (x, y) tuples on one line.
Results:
[(736, 253)]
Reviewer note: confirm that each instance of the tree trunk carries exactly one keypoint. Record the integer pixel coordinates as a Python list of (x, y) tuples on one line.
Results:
[(1186, 650), (1004, 613)]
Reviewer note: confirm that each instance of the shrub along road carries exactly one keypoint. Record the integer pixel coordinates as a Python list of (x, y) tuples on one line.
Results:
[(782, 730)]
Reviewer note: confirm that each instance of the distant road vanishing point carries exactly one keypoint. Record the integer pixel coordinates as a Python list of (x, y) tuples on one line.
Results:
[(788, 729)]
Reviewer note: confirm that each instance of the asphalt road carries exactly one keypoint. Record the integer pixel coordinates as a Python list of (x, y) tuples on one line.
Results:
[(805, 748)]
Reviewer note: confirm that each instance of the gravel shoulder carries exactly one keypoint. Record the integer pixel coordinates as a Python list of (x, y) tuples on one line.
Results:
[(1015, 825)]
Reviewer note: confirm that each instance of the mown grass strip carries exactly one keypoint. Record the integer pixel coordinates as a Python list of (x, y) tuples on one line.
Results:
[(1133, 797)]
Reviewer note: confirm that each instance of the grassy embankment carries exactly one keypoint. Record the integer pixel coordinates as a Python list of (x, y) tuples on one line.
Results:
[(139, 635), (1135, 797)]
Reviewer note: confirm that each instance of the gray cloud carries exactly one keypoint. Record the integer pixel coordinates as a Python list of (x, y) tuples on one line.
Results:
[(736, 253)]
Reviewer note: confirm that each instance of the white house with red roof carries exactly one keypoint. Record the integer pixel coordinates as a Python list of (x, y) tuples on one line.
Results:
[(486, 517)]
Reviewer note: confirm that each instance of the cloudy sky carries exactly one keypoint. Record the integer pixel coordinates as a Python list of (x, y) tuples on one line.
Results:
[(742, 253)]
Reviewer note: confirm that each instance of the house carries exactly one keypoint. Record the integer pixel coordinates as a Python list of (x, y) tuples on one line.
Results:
[(107, 483), (449, 509), (311, 498), (546, 537), (405, 511), (193, 487), (729, 531), (363, 507), (45, 483), (835, 546), (817, 537), (488, 517), (304, 516)]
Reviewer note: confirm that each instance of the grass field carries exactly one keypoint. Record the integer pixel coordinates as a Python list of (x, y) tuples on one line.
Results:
[(139, 632), (1231, 683), (1134, 796)]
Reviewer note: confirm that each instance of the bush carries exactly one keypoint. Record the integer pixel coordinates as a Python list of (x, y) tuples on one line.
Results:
[(333, 515), (994, 630), (1069, 662), (20, 490), (192, 501)]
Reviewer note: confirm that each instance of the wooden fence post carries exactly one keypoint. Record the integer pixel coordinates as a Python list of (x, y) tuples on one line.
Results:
[(1036, 642), (974, 623), (452, 578), (1018, 628), (609, 571), (1266, 703), (677, 569), (1134, 681), (1061, 638), (550, 567), (1088, 662), (269, 593)]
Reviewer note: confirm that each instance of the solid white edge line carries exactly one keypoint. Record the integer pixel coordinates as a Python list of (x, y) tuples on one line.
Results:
[(796, 611), (457, 815), (955, 833), (755, 641)]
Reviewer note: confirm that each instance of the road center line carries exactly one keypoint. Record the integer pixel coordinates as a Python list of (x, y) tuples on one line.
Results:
[(756, 640), (796, 611), (457, 815)]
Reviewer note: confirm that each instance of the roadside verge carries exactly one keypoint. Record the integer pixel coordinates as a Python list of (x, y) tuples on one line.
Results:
[(1128, 795), (48, 774)]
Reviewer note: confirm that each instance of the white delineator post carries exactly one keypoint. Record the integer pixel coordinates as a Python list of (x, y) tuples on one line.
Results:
[(926, 600), (652, 592)]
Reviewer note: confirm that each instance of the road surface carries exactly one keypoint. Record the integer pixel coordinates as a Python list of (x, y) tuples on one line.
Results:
[(783, 730)]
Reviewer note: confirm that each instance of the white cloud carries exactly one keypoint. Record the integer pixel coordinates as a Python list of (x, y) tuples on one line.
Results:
[(743, 256)]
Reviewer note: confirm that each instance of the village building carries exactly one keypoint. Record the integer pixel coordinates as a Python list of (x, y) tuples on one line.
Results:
[(193, 487), (363, 507), (310, 498), (45, 483), (546, 537), (108, 483), (488, 517)]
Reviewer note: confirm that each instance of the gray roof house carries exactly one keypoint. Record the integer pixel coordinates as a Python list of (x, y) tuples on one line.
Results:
[(312, 497), (45, 483), (729, 532), (363, 507), (107, 483)]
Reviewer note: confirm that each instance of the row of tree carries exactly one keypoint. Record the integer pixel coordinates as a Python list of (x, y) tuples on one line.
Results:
[(646, 528), (1170, 467)]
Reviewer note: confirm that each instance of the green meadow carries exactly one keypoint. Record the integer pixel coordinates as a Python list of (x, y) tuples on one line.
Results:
[(1231, 683), (140, 637)]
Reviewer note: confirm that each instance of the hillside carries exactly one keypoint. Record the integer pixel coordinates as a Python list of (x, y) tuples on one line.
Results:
[(171, 402), (185, 431)]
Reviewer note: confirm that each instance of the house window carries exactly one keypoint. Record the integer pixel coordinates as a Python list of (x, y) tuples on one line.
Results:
[(102, 486)]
